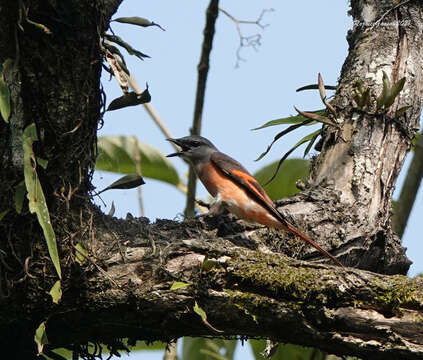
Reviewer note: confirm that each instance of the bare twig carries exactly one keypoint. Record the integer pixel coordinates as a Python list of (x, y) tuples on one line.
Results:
[(203, 70), (409, 189), (253, 41)]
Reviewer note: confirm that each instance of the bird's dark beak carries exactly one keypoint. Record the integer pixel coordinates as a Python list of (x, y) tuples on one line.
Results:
[(176, 142)]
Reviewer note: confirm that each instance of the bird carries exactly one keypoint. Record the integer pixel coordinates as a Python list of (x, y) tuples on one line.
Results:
[(234, 188)]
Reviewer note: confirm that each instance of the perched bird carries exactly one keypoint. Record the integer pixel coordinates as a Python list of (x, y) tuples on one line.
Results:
[(233, 187)]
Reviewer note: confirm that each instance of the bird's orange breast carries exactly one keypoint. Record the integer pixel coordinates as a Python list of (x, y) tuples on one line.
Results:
[(234, 196)]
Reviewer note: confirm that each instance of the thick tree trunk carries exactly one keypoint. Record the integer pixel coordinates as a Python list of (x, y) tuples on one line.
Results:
[(123, 287)]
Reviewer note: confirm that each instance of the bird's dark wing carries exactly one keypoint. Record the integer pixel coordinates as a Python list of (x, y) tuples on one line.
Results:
[(235, 171)]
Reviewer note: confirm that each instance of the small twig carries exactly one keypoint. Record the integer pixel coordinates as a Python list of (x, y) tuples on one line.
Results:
[(253, 41)]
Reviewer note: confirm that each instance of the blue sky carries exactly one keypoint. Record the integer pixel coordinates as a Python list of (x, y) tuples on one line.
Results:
[(303, 38)]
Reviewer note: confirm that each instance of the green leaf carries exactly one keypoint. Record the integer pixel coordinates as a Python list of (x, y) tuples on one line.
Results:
[(125, 182), (199, 311), (178, 285), (316, 117), (42, 162), (41, 337), (119, 153), (56, 292), (79, 255), (118, 40), (283, 133), (393, 92), (402, 110), (3, 214), (305, 139), (130, 99), (283, 184), (208, 349), (290, 120), (139, 21), (37, 202), (381, 100), (20, 191), (5, 106)]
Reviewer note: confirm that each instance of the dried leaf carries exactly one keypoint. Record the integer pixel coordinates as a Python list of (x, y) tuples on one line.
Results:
[(130, 99), (112, 209), (317, 117)]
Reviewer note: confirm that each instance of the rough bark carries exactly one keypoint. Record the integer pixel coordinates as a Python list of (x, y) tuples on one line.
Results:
[(122, 288)]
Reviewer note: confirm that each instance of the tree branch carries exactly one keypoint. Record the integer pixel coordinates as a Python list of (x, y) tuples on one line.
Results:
[(203, 70), (243, 292)]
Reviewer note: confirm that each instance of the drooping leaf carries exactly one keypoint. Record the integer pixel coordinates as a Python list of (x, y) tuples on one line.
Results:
[(130, 99), (178, 285), (37, 202), (119, 153), (305, 139), (208, 349), (139, 21), (199, 311), (41, 337), (296, 119), (56, 292), (118, 40), (5, 105), (125, 182), (283, 133), (283, 184), (316, 117)]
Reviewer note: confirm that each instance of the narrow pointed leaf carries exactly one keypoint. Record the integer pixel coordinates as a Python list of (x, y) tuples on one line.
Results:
[(118, 154), (381, 100), (20, 191), (199, 311), (315, 87), (316, 117), (112, 209), (118, 40), (5, 106), (299, 143), (282, 133), (289, 120), (130, 99), (393, 92), (129, 181), (311, 142), (56, 292), (139, 21), (3, 214), (37, 202)]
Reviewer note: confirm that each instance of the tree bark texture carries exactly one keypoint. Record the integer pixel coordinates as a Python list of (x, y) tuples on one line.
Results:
[(246, 287)]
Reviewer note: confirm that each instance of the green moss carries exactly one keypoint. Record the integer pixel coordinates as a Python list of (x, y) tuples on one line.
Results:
[(270, 274), (399, 292)]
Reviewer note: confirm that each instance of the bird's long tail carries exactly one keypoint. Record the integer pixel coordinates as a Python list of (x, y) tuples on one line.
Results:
[(306, 239)]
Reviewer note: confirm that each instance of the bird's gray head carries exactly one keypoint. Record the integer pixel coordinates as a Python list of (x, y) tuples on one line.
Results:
[(194, 148)]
